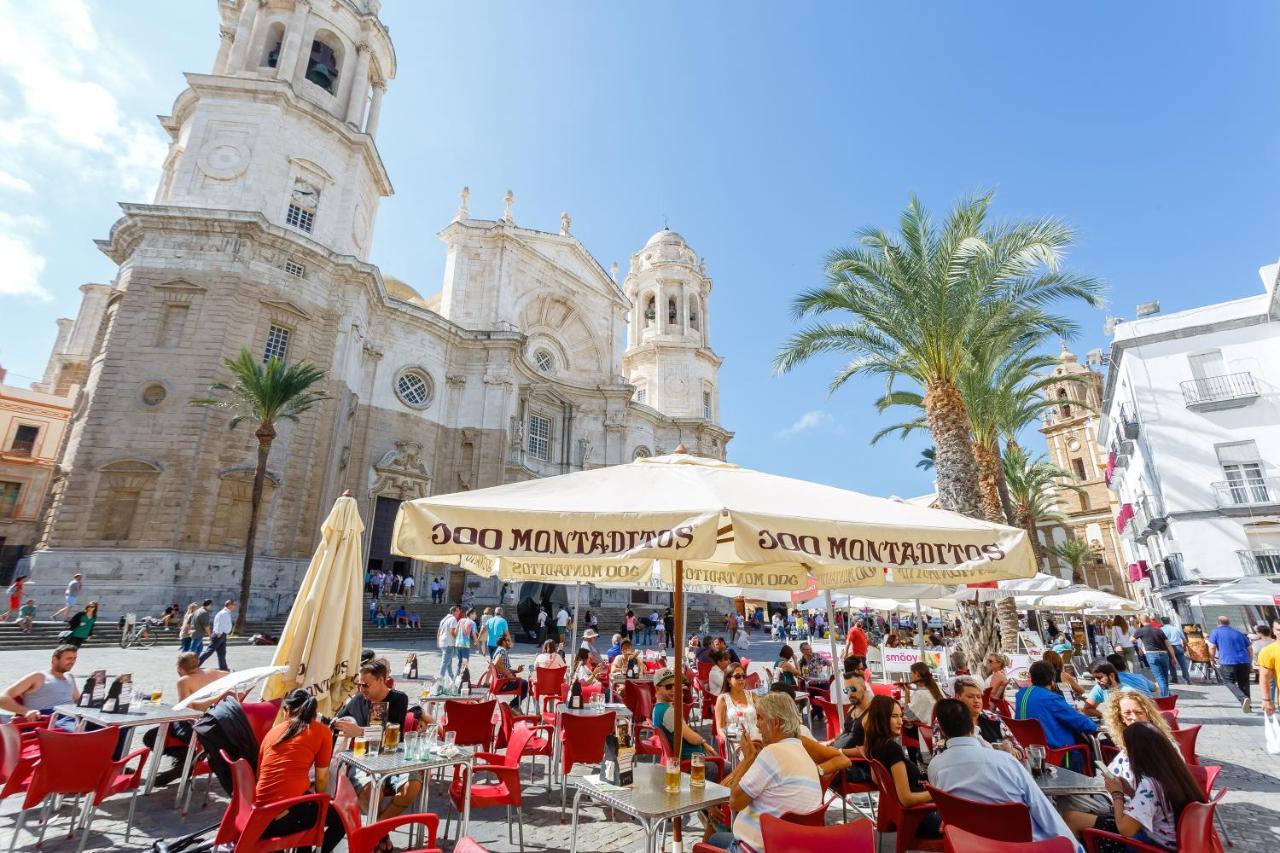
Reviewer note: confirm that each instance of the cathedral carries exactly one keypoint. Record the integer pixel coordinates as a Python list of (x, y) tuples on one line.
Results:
[(530, 360)]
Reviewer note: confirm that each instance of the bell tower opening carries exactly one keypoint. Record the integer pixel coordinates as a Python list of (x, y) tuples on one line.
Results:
[(325, 61)]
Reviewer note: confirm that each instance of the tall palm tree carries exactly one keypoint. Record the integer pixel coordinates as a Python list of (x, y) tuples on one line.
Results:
[(913, 303), (1075, 554), (1033, 486), (265, 395)]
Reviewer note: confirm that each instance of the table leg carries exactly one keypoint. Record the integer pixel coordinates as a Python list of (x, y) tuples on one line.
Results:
[(573, 827), (157, 754), (375, 800), (650, 837), (466, 803), (186, 781)]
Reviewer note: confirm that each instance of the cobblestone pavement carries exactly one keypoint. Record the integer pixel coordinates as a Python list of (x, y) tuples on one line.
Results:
[(1229, 738)]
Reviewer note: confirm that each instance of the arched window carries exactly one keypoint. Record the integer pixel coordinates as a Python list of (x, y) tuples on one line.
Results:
[(1063, 405), (650, 309), (641, 452), (693, 312), (672, 313), (323, 64), (271, 48)]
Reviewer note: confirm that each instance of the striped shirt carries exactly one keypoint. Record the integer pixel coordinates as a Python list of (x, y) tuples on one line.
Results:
[(782, 779)]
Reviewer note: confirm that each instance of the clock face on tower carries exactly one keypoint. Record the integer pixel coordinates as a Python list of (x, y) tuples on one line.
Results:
[(305, 196)]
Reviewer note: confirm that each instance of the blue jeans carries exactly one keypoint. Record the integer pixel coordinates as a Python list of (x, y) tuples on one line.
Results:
[(447, 655), (1183, 664), (463, 655), (1159, 663)]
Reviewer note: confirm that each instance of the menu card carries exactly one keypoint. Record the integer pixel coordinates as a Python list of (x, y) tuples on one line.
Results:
[(119, 695), (95, 689)]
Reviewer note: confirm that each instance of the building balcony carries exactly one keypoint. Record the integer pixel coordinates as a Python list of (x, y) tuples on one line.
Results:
[(1148, 517), (1128, 421), (1229, 391), (1264, 562), (1249, 493)]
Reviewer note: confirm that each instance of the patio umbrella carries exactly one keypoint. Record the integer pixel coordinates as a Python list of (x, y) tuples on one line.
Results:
[(323, 636), (1242, 592), (711, 523), (1078, 598), (232, 682)]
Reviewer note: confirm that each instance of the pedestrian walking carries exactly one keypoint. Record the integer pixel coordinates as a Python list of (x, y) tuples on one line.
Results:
[(1269, 670), (15, 600), (446, 640), (1178, 640), (1122, 641), (1158, 650), (464, 634), (81, 625), (408, 586), (187, 631), (202, 626), (542, 625), (1230, 651), (220, 631), (69, 596)]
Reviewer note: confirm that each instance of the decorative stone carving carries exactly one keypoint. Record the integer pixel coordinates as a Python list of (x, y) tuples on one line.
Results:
[(401, 474)]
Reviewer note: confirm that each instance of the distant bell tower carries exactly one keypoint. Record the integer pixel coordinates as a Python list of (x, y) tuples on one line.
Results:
[(669, 357), (285, 125)]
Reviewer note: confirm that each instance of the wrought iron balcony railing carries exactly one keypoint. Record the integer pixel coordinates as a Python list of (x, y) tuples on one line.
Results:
[(1250, 491), (1220, 392)]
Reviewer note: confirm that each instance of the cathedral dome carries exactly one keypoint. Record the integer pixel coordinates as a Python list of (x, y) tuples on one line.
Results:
[(666, 246), (666, 236)]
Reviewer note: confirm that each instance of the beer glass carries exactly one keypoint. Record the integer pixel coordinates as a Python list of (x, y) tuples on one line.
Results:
[(673, 776), (1035, 758), (697, 770), (390, 737), (156, 695), (358, 747)]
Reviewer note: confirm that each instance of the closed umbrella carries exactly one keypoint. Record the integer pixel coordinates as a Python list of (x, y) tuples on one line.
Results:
[(323, 637)]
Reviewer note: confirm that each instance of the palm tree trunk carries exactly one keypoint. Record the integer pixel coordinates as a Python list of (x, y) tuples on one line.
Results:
[(1027, 523), (266, 434), (957, 475), (1006, 501), (987, 460)]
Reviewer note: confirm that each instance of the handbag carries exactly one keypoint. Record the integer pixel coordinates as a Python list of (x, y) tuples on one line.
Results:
[(64, 637), (1271, 724)]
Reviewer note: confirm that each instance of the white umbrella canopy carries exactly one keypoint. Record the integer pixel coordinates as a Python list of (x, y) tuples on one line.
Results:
[(323, 636), (1079, 598), (232, 682), (1242, 592), (1042, 583)]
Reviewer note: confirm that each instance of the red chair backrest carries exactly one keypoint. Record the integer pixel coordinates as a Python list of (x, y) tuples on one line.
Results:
[(520, 737), (472, 722), (240, 809), (830, 715), (704, 670), (1186, 739), (582, 738), (468, 845), (347, 804), (1026, 732), (960, 840), (753, 681), (1170, 717), (999, 821), (889, 807), (10, 750), (262, 716), (1206, 775), (639, 697), (1195, 827), (70, 763), (549, 681), (1166, 703), (782, 834), (817, 817)]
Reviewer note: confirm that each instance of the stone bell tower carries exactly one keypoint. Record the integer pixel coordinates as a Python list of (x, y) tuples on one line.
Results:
[(669, 357)]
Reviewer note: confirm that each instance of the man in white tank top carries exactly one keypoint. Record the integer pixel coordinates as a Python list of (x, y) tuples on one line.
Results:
[(29, 695)]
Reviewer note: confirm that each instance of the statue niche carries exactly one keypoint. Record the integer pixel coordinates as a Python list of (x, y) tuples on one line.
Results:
[(400, 473)]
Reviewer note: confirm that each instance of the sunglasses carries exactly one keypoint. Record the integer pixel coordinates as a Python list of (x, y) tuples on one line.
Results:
[(362, 686), (738, 677)]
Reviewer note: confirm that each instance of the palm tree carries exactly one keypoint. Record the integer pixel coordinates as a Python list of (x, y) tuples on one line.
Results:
[(1075, 554), (1033, 487), (926, 460), (912, 304), (263, 394)]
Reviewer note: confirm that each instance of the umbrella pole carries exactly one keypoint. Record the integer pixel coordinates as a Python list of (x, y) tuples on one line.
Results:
[(837, 668), (920, 628), (677, 741), (573, 647)]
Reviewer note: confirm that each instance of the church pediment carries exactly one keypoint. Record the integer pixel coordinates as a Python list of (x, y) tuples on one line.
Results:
[(180, 285), (286, 307)]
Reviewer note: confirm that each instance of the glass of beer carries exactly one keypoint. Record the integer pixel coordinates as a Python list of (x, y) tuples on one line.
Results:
[(358, 747), (673, 776), (390, 737), (697, 770), (156, 695)]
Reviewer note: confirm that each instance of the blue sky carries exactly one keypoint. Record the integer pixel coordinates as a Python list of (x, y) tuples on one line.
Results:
[(765, 133)]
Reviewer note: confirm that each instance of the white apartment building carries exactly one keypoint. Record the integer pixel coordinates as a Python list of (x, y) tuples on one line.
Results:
[(1191, 426)]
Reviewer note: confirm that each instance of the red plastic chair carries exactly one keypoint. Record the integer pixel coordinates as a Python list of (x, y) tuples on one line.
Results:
[(893, 816), (1186, 739), (262, 716), (541, 744), (549, 690), (1195, 832), (639, 697), (493, 682), (70, 765), (243, 823), (1206, 775), (119, 779), (753, 681), (17, 761), (1166, 703), (962, 841), (1031, 733), (1171, 717), (471, 722), (817, 817), (839, 785), (996, 821), (364, 839), (830, 715), (504, 792), (785, 835), (581, 742), (466, 845)]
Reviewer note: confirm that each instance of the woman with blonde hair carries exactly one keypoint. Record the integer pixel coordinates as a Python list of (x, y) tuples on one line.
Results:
[(187, 641), (997, 680), (1122, 640)]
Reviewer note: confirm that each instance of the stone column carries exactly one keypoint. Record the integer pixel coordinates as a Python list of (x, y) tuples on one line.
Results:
[(359, 86), (244, 35), (375, 108), (287, 66)]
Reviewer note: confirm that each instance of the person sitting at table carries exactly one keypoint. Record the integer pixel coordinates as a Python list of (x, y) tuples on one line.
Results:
[(286, 759), (1061, 675), (1063, 725), (774, 778), (191, 677), (808, 663), (971, 769), (1131, 679), (736, 706), (665, 721), (548, 658), (615, 648), (588, 674), (588, 645), (924, 692), (718, 672), (987, 727), (883, 729), (997, 678), (508, 678), (373, 686), (625, 659), (38, 692), (786, 670), (1147, 806), (717, 645)]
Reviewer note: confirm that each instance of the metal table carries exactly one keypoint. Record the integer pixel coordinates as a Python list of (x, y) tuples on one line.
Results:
[(386, 764), (650, 806), (1061, 782), (138, 715)]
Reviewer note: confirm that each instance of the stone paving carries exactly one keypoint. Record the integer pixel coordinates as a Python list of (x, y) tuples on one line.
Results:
[(1229, 738)]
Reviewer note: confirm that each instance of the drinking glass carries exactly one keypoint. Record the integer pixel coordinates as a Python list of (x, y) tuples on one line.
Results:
[(410, 746), (431, 740), (1035, 757), (673, 776), (391, 737), (157, 694), (358, 746), (450, 740), (697, 770)]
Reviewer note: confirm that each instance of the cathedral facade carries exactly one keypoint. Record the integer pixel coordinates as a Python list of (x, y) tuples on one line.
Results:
[(531, 360)]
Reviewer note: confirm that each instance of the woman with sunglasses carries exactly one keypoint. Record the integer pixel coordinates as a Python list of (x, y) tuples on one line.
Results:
[(736, 707), (997, 680)]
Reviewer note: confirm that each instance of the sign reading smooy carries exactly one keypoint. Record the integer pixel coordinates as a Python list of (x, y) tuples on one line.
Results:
[(901, 659)]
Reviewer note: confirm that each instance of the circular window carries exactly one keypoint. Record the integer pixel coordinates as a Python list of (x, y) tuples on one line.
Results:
[(544, 361), (641, 452), (154, 394), (414, 388)]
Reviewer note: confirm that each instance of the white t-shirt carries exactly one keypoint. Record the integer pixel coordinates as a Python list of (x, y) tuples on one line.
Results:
[(562, 618), (742, 716), (548, 661), (715, 680), (1150, 807), (782, 779), (542, 618), (445, 634)]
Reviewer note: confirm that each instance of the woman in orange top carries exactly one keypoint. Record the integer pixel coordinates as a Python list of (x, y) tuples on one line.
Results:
[(288, 753)]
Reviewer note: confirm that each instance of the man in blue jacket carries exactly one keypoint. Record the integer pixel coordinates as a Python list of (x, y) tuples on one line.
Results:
[(1063, 724)]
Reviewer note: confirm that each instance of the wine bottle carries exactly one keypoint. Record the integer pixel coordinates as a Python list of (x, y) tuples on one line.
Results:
[(575, 695)]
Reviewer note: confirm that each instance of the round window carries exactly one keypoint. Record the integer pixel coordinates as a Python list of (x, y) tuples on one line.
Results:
[(545, 362), (154, 394), (413, 387)]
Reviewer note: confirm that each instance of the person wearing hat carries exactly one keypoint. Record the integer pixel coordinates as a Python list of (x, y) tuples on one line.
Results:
[(664, 719), (588, 645)]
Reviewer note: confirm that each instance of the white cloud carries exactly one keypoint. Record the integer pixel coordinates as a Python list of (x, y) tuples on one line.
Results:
[(20, 263), (809, 420), (12, 183)]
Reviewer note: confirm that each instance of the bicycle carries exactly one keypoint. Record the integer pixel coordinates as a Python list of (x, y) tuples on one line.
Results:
[(141, 634)]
